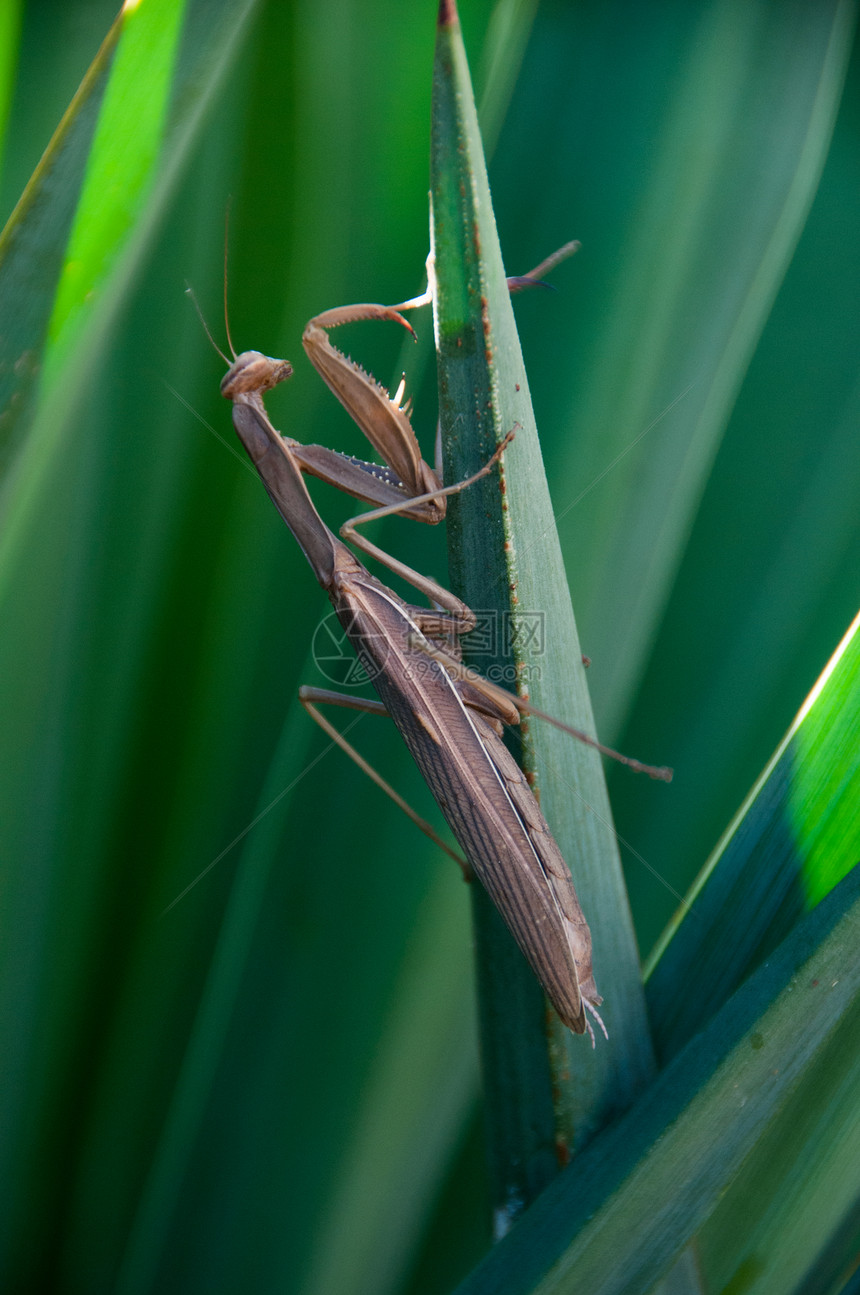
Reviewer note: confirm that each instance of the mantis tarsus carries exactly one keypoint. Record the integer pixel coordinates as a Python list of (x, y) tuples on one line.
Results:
[(450, 719)]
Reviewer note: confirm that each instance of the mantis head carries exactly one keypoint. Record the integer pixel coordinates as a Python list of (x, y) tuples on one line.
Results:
[(253, 373)]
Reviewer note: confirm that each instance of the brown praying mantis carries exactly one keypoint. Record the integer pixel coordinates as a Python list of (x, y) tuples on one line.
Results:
[(450, 718)]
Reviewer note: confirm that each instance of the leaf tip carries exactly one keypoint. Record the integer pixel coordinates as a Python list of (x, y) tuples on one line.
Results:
[(447, 14)]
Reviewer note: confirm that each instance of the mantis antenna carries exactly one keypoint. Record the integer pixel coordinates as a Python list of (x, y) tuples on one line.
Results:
[(226, 311), (189, 292)]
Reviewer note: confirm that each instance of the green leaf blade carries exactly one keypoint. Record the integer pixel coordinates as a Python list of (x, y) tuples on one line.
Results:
[(794, 838), (500, 545), (682, 318), (121, 165), (616, 1220)]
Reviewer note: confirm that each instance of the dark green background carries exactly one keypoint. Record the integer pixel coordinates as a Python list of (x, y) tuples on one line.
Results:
[(160, 626)]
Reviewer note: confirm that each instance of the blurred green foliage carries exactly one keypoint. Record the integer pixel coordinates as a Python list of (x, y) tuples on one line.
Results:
[(271, 1083)]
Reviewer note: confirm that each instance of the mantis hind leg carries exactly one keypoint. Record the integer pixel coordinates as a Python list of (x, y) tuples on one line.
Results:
[(310, 698)]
